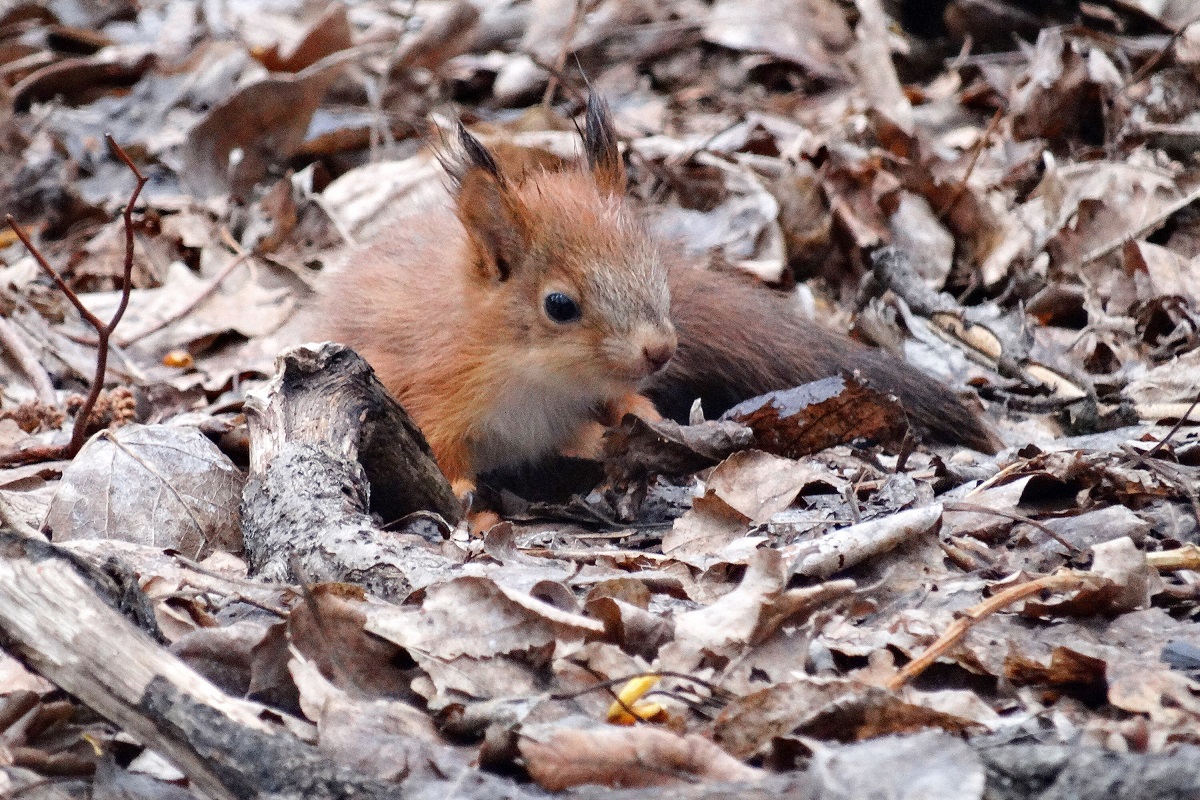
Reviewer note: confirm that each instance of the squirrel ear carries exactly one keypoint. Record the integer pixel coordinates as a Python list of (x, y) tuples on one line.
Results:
[(494, 218), (600, 142)]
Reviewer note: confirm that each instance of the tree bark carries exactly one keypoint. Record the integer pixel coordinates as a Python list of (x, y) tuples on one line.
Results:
[(327, 443)]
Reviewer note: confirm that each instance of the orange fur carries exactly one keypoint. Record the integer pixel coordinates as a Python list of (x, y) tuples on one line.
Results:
[(450, 308)]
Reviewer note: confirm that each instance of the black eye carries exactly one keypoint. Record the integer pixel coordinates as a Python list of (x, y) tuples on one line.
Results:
[(561, 308)]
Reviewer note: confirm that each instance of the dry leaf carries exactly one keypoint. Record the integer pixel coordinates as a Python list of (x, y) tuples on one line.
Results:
[(157, 485)]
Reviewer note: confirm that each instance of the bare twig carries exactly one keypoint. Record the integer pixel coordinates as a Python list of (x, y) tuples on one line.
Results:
[(188, 307), (976, 508), (1169, 473), (104, 330), (1152, 62), (12, 341), (1059, 581), (976, 152), (561, 61), (1154, 451)]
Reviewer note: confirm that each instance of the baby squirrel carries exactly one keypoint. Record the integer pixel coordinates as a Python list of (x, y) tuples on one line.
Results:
[(538, 309)]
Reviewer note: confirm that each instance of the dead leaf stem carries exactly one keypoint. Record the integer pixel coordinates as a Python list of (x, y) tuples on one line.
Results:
[(976, 152), (191, 306), (1152, 62), (1153, 451), (975, 508)]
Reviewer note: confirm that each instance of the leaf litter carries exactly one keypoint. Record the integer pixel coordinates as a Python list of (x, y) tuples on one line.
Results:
[(818, 597)]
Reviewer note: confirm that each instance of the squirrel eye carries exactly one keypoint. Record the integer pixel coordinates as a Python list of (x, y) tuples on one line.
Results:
[(561, 308)]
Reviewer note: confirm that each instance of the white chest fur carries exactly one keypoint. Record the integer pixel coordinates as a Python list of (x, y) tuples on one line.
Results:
[(529, 421)]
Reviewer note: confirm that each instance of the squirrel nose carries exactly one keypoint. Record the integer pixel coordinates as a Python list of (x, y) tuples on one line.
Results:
[(658, 354)]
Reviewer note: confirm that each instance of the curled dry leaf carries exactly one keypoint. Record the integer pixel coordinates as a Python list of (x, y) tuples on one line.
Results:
[(477, 618), (224, 655), (1123, 582), (759, 485), (741, 224), (78, 79), (388, 739), (750, 614), (157, 485), (747, 488), (637, 448), (560, 757), (260, 126), (329, 34), (327, 629), (811, 33), (837, 709)]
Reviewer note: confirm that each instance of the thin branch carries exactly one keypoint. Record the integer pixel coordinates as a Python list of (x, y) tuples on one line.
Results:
[(91, 318), (1152, 62), (104, 330), (976, 152), (1059, 581), (1154, 451), (975, 508), (190, 306)]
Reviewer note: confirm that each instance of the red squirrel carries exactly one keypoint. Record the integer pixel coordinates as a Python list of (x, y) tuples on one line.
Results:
[(538, 309)]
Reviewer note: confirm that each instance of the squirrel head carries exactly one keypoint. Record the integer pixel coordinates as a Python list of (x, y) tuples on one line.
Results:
[(560, 265)]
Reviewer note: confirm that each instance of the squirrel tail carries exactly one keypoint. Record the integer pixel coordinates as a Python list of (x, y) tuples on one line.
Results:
[(738, 340)]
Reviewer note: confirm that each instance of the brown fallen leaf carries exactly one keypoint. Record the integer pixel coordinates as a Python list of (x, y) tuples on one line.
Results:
[(327, 629), (158, 485), (812, 33), (759, 485), (637, 448), (328, 34), (259, 127), (560, 757)]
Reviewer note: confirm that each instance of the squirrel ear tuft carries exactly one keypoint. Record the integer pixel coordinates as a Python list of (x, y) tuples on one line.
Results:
[(600, 142), (494, 218), (475, 155)]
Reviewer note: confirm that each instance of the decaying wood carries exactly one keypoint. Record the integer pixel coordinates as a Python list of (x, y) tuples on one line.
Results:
[(228, 748), (327, 442), (843, 548), (52, 619)]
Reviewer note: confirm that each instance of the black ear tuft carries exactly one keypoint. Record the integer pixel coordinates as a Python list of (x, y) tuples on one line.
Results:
[(476, 155), (600, 141), (493, 216)]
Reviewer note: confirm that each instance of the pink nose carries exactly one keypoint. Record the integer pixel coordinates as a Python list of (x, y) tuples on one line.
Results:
[(658, 354)]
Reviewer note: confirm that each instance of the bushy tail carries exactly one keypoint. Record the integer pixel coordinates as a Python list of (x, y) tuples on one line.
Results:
[(738, 339)]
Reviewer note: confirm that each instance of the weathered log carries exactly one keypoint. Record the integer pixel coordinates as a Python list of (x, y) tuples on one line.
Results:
[(52, 619), (327, 442), (54, 622)]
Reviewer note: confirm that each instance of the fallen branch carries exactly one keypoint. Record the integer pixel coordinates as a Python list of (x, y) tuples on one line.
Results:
[(845, 547), (1057, 582), (60, 627), (104, 330)]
